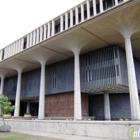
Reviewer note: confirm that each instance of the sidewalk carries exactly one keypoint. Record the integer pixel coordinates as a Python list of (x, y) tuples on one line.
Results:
[(58, 136)]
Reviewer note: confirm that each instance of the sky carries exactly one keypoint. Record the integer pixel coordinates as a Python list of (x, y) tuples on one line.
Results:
[(19, 17)]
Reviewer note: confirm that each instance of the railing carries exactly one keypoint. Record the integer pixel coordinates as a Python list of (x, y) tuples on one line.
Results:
[(74, 16)]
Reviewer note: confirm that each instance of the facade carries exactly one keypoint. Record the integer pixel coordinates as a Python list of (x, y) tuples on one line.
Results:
[(82, 63)]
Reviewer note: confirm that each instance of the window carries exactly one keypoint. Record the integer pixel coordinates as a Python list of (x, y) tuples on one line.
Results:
[(3, 54), (25, 43)]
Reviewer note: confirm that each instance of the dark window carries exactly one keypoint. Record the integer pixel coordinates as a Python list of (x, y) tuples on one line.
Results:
[(25, 43), (57, 28), (3, 54)]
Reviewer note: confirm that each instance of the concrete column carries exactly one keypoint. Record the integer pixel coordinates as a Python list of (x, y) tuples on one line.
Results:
[(53, 25), (28, 107), (76, 15), (41, 114), (66, 21), (14, 51), (7, 51), (44, 31), (22, 43), (107, 115), (37, 36), (88, 9), (2, 85), (48, 35), (133, 90), (71, 18), (31, 39), (28, 40), (11, 50), (61, 23), (17, 100), (34, 35), (94, 7), (17, 45), (82, 12), (4, 53), (41, 34), (101, 6), (116, 2), (77, 88)]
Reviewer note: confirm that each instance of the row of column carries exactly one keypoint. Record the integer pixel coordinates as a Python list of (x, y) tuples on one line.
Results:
[(48, 29), (12, 49), (133, 90)]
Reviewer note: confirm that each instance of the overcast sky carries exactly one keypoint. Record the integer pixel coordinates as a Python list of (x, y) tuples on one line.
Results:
[(19, 17)]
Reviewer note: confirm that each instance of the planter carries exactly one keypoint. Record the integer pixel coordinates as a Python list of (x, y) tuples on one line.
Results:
[(27, 116), (7, 116)]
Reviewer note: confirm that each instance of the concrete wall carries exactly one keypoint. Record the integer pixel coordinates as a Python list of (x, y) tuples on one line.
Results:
[(62, 105), (97, 129)]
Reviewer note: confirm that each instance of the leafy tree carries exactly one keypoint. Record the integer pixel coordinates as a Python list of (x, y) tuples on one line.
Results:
[(5, 106)]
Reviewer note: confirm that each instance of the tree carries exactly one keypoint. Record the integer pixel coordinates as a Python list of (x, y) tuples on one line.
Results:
[(5, 106)]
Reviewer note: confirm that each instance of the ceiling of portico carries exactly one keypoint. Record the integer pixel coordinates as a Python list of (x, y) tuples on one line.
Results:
[(95, 33)]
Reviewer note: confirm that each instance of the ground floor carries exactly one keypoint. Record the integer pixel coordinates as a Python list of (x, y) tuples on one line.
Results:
[(97, 106)]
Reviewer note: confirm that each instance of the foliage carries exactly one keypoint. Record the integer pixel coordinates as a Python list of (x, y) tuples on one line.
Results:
[(5, 106)]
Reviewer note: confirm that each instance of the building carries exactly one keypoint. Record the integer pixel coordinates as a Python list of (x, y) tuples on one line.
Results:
[(85, 62)]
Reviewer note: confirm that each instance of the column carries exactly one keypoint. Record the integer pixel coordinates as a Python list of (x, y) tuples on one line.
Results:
[(107, 115), (76, 15), (40, 34), (48, 35), (2, 85), (5, 52), (66, 21), (44, 31), (21, 45), (28, 40), (31, 37), (94, 7), (17, 44), (37, 36), (11, 50), (116, 2), (41, 113), (77, 88), (61, 23), (133, 90), (82, 12), (53, 28), (34, 37), (88, 9), (28, 107), (71, 18), (101, 6), (14, 50), (17, 100)]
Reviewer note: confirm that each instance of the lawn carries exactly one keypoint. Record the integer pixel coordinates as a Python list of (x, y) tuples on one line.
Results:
[(17, 136)]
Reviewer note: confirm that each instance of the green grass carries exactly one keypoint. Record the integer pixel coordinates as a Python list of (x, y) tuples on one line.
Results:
[(17, 136)]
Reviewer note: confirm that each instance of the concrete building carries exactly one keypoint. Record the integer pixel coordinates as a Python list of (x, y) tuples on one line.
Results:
[(85, 62)]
